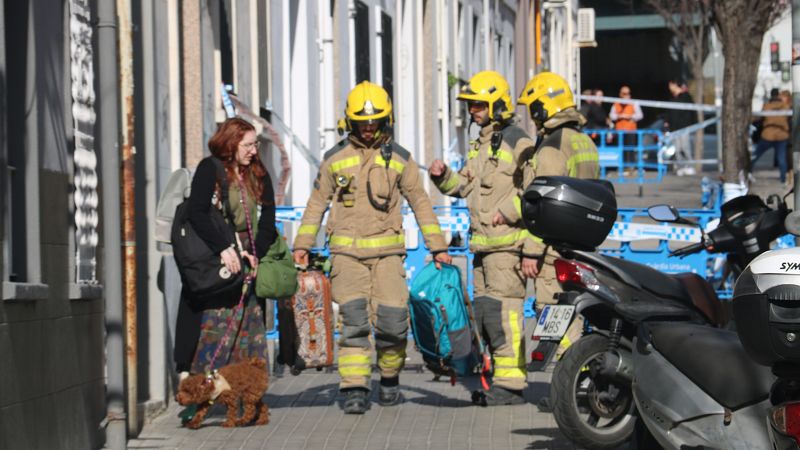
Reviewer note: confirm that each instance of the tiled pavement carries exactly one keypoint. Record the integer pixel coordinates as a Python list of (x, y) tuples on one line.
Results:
[(305, 414)]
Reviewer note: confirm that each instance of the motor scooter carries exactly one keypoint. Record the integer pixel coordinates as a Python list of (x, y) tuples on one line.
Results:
[(700, 387), (590, 395)]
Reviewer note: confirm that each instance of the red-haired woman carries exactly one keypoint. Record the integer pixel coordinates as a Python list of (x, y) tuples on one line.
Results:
[(202, 325)]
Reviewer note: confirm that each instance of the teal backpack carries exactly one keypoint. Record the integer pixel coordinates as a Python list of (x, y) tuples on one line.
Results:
[(441, 322)]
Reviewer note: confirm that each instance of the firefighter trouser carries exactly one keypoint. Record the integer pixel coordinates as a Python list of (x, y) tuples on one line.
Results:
[(372, 294), (499, 298), (546, 288)]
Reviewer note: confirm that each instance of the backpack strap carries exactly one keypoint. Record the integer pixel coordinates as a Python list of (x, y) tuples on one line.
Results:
[(222, 179)]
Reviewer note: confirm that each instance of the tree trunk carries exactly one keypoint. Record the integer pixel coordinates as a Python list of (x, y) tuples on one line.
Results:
[(741, 25), (739, 80), (699, 136)]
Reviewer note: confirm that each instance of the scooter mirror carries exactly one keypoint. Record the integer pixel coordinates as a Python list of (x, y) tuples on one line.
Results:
[(792, 223), (663, 213)]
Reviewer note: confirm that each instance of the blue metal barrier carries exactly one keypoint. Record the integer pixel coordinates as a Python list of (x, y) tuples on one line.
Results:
[(612, 155), (632, 238), (711, 197), (454, 221), (628, 239), (711, 266)]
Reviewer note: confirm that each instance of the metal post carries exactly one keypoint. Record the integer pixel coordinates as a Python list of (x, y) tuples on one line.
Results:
[(128, 206), (717, 50), (154, 144), (108, 141), (796, 100)]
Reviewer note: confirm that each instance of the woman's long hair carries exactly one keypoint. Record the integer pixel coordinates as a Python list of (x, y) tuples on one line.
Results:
[(224, 145)]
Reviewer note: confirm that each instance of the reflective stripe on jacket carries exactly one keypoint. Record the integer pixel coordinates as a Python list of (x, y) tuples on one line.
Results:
[(491, 182), (355, 226)]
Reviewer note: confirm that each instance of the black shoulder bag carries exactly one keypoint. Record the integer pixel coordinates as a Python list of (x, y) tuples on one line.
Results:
[(202, 271)]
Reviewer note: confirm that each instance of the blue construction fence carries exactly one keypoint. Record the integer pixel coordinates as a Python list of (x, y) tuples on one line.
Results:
[(634, 237), (641, 165)]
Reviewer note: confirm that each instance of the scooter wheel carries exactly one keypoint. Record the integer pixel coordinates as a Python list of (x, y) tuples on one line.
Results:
[(592, 411)]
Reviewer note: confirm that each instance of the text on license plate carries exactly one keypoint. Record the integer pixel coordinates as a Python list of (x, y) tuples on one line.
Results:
[(554, 321)]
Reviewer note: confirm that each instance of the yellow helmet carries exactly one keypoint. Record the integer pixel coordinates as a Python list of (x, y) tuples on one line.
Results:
[(491, 88), (368, 102), (545, 95)]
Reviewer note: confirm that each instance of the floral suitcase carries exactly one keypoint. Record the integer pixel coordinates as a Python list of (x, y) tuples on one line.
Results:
[(311, 338)]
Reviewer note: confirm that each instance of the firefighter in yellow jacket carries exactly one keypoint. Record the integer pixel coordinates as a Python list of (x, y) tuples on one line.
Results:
[(364, 179), (491, 182), (562, 150)]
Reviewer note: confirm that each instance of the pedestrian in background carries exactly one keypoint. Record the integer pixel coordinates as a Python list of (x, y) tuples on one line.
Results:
[(491, 182), (678, 119), (585, 103), (774, 134), (596, 116), (786, 96), (625, 116)]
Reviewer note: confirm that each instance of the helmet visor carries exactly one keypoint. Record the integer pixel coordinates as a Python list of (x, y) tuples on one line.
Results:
[(538, 113)]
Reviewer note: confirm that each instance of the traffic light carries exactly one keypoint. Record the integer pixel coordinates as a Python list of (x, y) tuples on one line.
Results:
[(774, 56)]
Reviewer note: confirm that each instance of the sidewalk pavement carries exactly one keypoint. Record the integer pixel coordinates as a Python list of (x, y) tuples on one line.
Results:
[(305, 413), (685, 192)]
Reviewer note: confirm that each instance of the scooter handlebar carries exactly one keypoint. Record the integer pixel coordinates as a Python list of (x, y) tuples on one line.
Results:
[(688, 250)]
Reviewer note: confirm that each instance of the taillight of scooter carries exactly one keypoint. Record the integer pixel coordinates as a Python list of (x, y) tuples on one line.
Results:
[(571, 274), (786, 420)]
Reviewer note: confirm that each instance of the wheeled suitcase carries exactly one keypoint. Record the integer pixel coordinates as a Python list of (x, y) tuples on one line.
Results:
[(305, 324)]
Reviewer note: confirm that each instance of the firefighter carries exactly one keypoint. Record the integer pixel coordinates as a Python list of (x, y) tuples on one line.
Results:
[(491, 182), (364, 179), (562, 150)]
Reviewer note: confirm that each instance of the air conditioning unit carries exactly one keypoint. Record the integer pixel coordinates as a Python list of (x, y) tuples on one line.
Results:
[(585, 36)]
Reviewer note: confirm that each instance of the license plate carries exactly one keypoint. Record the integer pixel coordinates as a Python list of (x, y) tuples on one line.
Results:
[(553, 322)]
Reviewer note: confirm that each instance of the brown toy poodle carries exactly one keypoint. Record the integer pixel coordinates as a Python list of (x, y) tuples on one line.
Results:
[(244, 381)]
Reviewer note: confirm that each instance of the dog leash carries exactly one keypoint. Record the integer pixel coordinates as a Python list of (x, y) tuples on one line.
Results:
[(247, 280)]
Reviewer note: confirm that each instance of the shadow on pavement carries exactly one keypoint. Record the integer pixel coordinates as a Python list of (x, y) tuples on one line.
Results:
[(323, 395), (553, 438)]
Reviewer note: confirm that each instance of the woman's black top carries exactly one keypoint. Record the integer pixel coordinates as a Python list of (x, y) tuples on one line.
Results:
[(203, 184)]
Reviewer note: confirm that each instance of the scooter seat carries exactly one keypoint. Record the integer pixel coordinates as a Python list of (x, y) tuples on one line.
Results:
[(687, 288), (714, 360), (649, 279), (703, 297)]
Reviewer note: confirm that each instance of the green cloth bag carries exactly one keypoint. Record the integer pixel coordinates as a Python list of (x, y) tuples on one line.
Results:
[(277, 275)]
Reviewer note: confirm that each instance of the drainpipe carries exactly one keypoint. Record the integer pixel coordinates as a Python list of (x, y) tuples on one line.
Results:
[(487, 37), (537, 19), (108, 141), (128, 211), (796, 104)]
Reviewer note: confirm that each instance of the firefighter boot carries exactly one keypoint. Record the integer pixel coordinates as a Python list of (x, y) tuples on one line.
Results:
[(356, 401), (389, 392)]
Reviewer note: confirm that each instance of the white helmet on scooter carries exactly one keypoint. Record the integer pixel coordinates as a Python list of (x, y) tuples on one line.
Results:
[(766, 307)]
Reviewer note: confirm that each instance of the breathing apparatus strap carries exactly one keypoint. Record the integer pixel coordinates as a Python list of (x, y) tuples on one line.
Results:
[(386, 154)]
